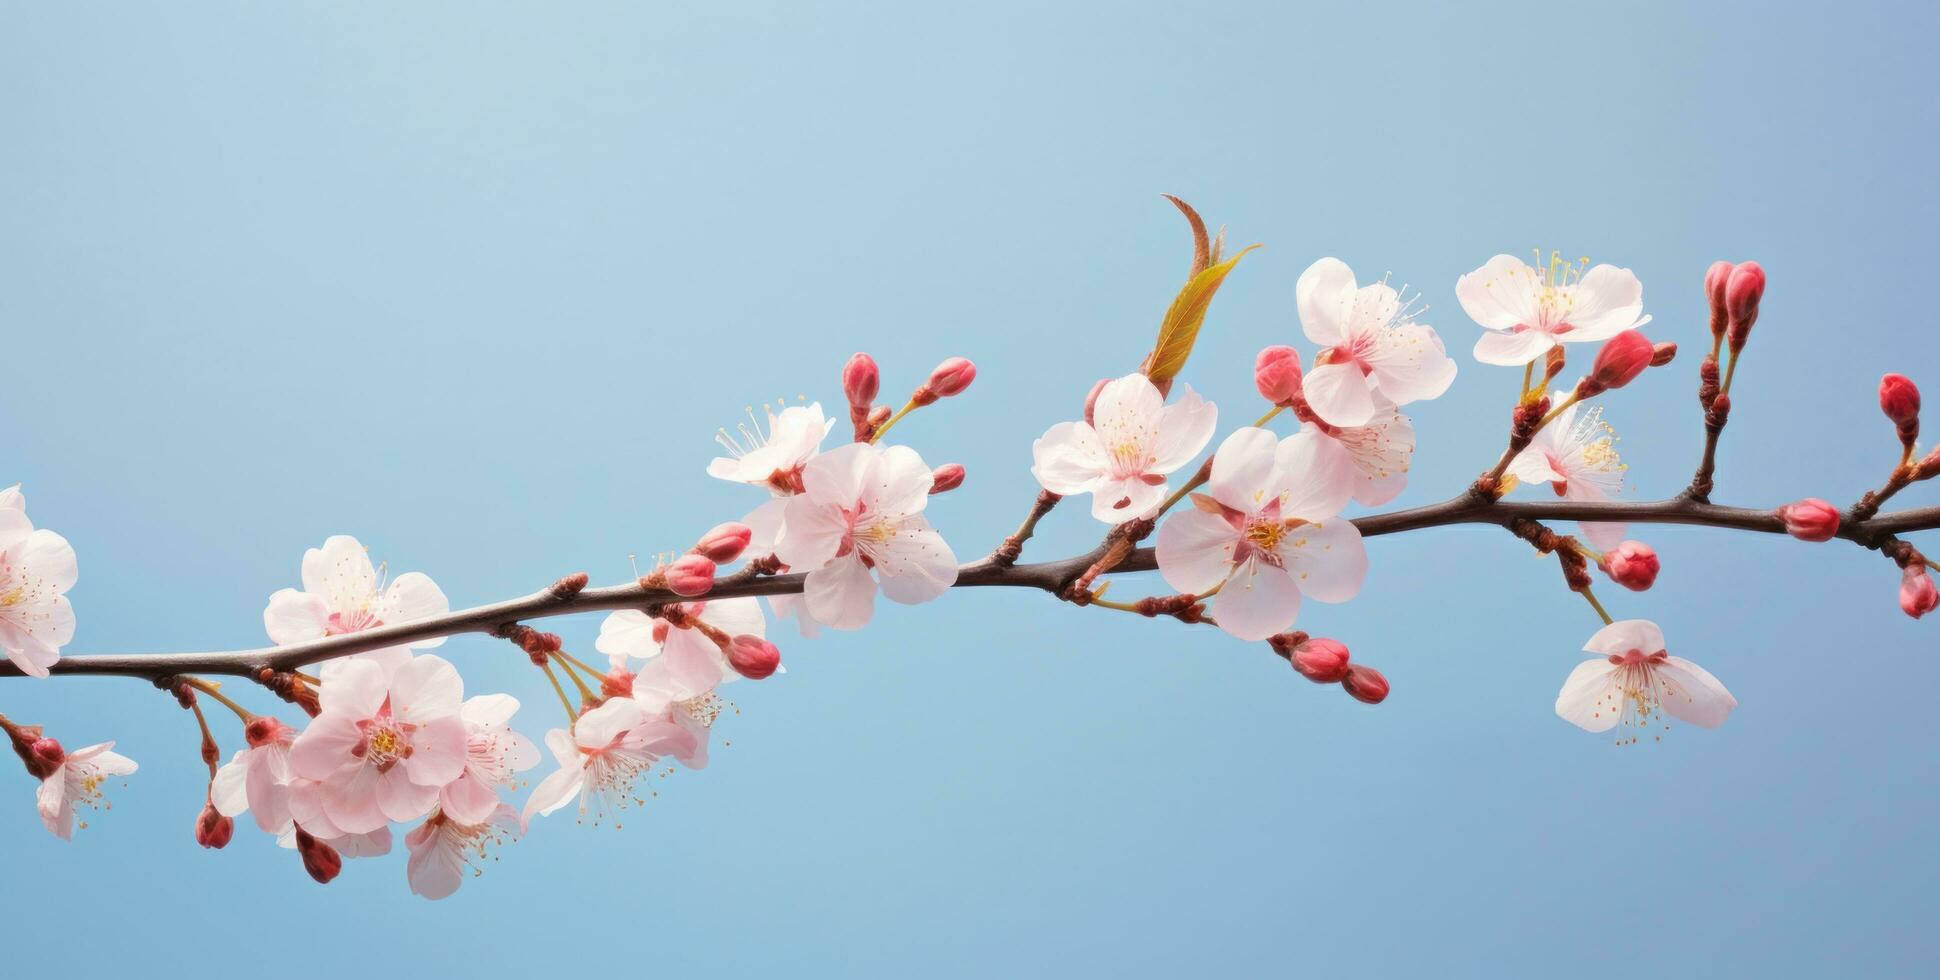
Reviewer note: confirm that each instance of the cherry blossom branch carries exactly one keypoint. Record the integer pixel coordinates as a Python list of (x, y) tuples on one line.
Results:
[(568, 596)]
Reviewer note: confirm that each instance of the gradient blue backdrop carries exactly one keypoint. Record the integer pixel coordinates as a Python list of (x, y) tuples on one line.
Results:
[(476, 283)]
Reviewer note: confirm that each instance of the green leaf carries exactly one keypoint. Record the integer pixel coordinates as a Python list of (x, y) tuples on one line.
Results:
[(1180, 328)]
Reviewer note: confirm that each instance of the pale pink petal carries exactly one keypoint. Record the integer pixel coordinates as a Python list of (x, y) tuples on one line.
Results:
[(1327, 561), (1185, 426), (1690, 694), (399, 797), (813, 532), (325, 746), (487, 710), (428, 687), (627, 633), (48, 558), (1604, 535), (1510, 349), (435, 869), (350, 798), (412, 596), (1608, 301), (1339, 393), (554, 791), (340, 572), (1121, 500), (916, 564), (1324, 295), (1257, 602), (1243, 468), (1495, 295), (599, 727), (900, 483), (1624, 636), (468, 799), (228, 791), (841, 595), (438, 750), (1407, 363), (1592, 697), (1195, 550), (295, 617), (836, 478), (1313, 477), (56, 810), (357, 688), (1127, 412), (735, 617), (765, 527), (1068, 458)]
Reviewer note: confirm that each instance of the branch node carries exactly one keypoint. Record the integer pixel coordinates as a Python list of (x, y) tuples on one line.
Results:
[(570, 585)]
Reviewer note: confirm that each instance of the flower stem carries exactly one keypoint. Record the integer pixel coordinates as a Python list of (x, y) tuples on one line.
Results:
[(1528, 375), (565, 702), (893, 419), (212, 689), (1558, 410), (1268, 417), (1598, 606), (208, 737), (576, 662), (566, 664)]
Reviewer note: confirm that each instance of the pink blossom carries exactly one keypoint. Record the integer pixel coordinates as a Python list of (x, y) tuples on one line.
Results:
[(689, 654), (608, 750), (77, 781), (1266, 534), (1377, 453), (1527, 311), (1576, 454), (772, 454), (1121, 456), (257, 779), (37, 567), (1372, 344), (442, 848), (344, 593), (1632, 681), (383, 747), (494, 756), (861, 513)]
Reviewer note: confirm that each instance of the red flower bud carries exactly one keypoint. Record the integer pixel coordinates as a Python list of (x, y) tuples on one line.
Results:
[(45, 757), (1276, 373), (1631, 564), (1742, 293), (1715, 280), (321, 860), (1917, 594), (212, 829), (1810, 519), (1662, 354), (947, 477), (949, 379), (861, 380), (725, 543), (1899, 398), (1091, 400), (690, 575), (1321, 661), (753, 657), (1365, 684), (1621, 359)]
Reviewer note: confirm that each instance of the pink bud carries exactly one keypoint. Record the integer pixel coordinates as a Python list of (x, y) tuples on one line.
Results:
[(690, 575), (1715, 280), (321, 860), (1321, 661), (1091, 400), (1276, 373), (1621, 359), (1917, 594), (1631, 564), (47, 757), (1662, 354), (1899, 398), (1742, 292), (724, 544), (212, 829), (947, 477), (1365, 684), (861, 380), (1810, 519), (949, 379), (753, 657)]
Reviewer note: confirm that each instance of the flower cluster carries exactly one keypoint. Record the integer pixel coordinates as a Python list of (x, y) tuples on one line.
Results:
[(1245, 535)]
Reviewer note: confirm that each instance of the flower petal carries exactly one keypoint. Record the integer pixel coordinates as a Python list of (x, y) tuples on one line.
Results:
[(1339, 394), (1195, 550), (1690, 694), (1591, 698), (1259, 601), (841, 594), (1324, 296), (1327, 561)]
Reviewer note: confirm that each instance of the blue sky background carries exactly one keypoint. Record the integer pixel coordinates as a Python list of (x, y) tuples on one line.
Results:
[(476, 283)]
